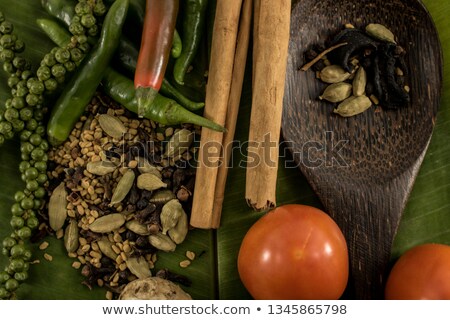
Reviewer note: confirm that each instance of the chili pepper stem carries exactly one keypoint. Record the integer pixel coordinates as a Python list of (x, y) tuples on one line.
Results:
[(181, 115), (145, 97)]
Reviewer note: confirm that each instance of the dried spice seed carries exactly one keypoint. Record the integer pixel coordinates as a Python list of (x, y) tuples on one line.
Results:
[(179, 143), (44, 245), (48, 257), (185, 263), (137, 228), (190, 255), (162, 197)]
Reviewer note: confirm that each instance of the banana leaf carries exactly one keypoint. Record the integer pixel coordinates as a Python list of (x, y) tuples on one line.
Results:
[(214, 273)]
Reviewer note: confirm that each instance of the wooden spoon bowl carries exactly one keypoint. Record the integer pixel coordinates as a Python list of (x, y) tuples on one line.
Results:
[(362, 167)]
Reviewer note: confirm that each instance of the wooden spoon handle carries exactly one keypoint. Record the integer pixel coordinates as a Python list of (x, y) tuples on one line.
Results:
[(369, 216)]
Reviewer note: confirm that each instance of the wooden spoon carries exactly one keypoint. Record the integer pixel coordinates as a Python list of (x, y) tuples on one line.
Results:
[(363, 167)]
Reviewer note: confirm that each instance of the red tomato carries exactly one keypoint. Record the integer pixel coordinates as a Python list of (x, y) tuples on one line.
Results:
[(294, 252), (423, 272)]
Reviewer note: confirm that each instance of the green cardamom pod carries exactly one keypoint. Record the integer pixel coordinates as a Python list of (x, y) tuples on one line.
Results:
[(123, 187), (107, 223), (105, 247), (179, 232), (337, 92), (100, 168), (113, 126), (359, 82), (333, 74), (57, 207), (179, 143), (171, 212), (71, 236), (139, 267), (162, 242), (162, 196), (150, 182), (380, 32), (353, 106), (146, 167), (138, 228)]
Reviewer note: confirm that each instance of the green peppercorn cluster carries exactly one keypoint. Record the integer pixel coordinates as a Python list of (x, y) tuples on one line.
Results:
[(24, 114)]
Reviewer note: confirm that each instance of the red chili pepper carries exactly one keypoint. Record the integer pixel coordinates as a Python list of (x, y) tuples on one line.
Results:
[(157, 36)]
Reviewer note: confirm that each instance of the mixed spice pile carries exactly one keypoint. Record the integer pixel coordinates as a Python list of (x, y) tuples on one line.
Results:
[(361, 68), (121, 189)]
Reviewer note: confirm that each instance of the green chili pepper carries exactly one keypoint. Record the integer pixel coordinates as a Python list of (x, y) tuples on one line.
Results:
[(78, 92), (177, 45), (162, 110), (193, 22), (64, 10)]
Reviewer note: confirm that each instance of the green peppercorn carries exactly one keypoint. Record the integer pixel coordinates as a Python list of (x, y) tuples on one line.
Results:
[(26, 75), (32, 99), (37, 204), (11, 285), (49, 60), (31, 173), (25, 134), (11, 114), (18, 125), (76, 55), (26, 114), (7, 41), (40, 192), (23, 166), (17, 264), (70, 66), (8, 67), (44, 145), (82, 8), (84, 47), (58, 70), (32, 185), (51, 84), (6, 55), (35, 139), (26, 147), (4, 276), (62, 55), (41, 166), (37, 87), (5, 127), (5, 252), (19, 46), (6, 27), (13, 80), (21, 91), (93, 31), (18, 102), (60, 80), (43, 73), (18, 250), (8, 243), (16, 210), (4, 293), (24, 157), (88, 20), (76, 28), (24, 233), (32, 222), (99, 8), (21, 276), (27, 254), (32, 125), (16, 222), (27, 203), (19, 62)]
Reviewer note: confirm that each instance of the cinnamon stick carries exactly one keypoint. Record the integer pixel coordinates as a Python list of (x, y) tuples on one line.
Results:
[(240, 60), (270, 49), (216, 102)]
